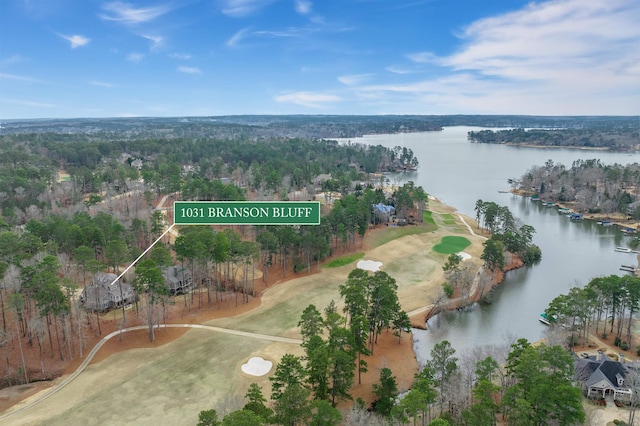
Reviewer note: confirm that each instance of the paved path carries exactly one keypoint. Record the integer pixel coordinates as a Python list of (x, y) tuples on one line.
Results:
[(55, 389), (474, 285)]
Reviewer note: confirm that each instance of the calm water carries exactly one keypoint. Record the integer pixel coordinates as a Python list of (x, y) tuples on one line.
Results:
[(459, 173)]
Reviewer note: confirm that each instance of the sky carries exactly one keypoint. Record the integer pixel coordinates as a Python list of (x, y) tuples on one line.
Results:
[(91, 58)]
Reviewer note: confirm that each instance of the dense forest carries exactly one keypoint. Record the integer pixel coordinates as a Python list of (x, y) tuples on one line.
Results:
[(587, 186), (619, 136), (80, 197)]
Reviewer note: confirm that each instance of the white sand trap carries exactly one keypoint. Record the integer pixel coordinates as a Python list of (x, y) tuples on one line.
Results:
[(369, 265), (257, 366), (464, 255)]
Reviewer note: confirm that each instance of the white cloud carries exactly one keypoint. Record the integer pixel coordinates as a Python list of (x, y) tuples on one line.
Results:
[(31, 104), (556, 57), (398, 70), (189, 70), (238, 37), (308, 99), (135, 57), (101, 84), (354, 79), (240, 8), (13, 59), (181, 56), (19, 78), (127, 14), (303, 7), (157, 40), (75, 40), (422, 57)]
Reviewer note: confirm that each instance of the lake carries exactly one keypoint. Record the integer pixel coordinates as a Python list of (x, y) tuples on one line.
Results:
[(459, 173)]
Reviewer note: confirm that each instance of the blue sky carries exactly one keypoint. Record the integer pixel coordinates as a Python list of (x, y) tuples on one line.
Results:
[(89, 58)]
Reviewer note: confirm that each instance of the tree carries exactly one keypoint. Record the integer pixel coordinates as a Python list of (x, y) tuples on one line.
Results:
[(543, 389), (208, 418), (292, 406), (443, 364), (256, 402), (242, 418), (386, 392), (323, 414), (150, 283), (289, 372)]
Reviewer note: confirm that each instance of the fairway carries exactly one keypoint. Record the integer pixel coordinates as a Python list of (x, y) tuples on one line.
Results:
[(451, 244), (171, 383)]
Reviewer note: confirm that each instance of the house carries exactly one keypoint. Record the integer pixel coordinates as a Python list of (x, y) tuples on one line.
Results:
[(602, 377), (178, 279), (382, 212), (106, 292)]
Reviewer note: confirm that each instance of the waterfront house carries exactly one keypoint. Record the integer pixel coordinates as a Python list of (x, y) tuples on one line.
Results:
[(602, 377)]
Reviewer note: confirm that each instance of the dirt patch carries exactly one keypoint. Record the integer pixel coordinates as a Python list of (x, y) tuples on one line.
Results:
[(184, 372)]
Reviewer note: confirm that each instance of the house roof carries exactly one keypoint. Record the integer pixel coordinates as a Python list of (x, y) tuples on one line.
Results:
[(592, 371)]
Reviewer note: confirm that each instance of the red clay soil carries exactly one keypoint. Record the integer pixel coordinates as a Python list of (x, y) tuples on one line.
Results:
[(389, 353)]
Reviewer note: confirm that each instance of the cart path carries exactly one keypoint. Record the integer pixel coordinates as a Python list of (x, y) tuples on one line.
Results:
[(55, 389), (474, 285)]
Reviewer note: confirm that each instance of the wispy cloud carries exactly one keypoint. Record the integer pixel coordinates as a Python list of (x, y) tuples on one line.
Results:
[(127, 14), (75, 40), (238, 37), (303, 7), (399, 70), (28, 103), (135, 57), (180, 56), (422, 57), (189, 70), (240, 8), (308, 99), (19, 78), (101, 84), (156, 40), (552, 57), (354, 79), (13, 59)]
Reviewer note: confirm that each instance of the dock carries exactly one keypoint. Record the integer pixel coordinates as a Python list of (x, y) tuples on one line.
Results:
[(628, 268)]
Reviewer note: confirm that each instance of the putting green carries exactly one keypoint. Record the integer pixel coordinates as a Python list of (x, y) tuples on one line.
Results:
[(450, 245)]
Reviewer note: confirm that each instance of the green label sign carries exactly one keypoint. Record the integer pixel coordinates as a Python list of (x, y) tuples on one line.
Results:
[(246, 213)]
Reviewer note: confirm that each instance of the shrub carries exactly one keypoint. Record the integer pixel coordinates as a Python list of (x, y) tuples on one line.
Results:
[(448, 289), (616, 341), (624, 346)]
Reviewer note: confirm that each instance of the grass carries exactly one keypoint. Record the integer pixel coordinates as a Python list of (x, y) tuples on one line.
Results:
[(428, 217), (448, 219), (450, 245), (344, 260), (396, 232)]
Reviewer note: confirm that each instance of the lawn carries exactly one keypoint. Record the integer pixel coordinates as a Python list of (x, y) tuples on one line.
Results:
[(344, 260), (450, 245), (396, 232)]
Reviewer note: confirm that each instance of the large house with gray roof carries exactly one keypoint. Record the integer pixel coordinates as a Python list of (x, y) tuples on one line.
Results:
[(104, 293), (602, 377)]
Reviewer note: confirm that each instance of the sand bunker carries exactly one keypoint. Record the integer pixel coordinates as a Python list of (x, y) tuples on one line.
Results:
[(257, 366), (464, 255), (369, 265)]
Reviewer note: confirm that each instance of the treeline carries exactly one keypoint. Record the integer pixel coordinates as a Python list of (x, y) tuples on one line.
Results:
[(46, 262), (520, 385), (272, 168), (622, 137), (605, 306), (588, 186)]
